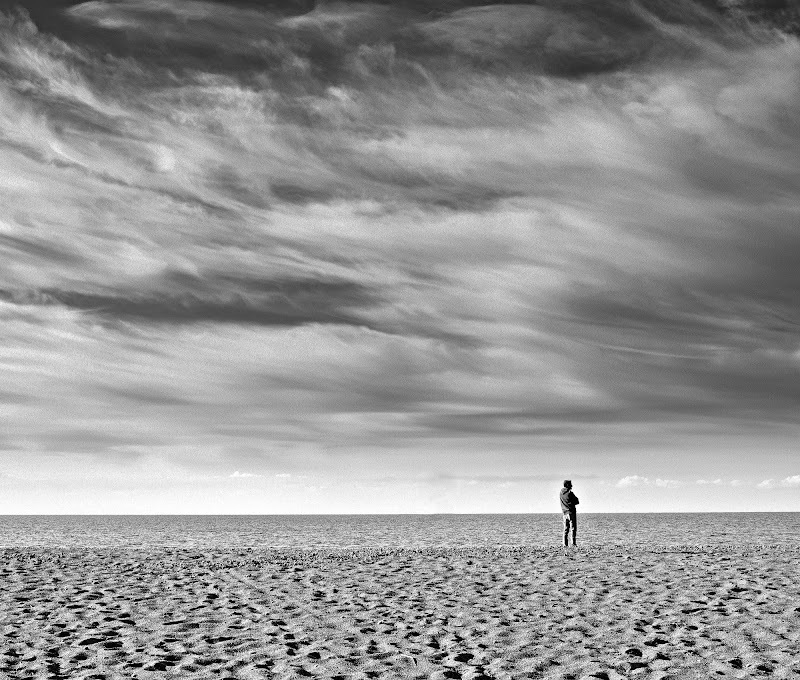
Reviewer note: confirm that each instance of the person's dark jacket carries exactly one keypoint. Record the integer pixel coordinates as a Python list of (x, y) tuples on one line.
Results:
[(568, 500)]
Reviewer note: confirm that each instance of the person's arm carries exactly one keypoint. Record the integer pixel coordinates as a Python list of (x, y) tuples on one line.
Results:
[(574, 498)]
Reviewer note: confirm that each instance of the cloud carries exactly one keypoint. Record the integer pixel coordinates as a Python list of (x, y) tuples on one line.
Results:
[(242, 475), (719, 482), (632, 480), (791, 482), (636, 480)]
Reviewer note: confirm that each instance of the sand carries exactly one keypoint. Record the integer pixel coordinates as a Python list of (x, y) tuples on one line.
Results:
[(464, 613)]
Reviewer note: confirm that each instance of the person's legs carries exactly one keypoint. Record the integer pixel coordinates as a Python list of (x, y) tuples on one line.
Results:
[(573, 520), (566, 529)]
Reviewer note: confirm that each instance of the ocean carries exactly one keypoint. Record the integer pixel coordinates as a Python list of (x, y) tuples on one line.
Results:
[(209, 532)]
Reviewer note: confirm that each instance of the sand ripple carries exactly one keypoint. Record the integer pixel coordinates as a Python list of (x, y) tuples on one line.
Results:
[(433, 613)]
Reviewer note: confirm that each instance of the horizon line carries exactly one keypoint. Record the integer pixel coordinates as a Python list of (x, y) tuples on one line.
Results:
[(391, 514)]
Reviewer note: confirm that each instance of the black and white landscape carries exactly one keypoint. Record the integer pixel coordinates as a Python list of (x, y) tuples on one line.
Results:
[(266, 262)]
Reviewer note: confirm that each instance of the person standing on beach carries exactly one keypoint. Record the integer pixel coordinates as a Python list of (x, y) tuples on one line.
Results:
[(568, 502)]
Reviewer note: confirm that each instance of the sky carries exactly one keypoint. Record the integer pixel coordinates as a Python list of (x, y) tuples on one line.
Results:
[(426, 256)]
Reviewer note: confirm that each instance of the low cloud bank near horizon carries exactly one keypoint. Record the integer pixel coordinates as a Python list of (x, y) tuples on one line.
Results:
[(236, 233), (792, 482), (637, 480)]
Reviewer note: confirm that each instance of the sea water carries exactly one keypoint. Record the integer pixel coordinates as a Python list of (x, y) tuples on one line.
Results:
[(209, 532)]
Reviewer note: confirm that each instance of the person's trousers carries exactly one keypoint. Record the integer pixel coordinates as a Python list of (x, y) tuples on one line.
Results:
[(570, 524)]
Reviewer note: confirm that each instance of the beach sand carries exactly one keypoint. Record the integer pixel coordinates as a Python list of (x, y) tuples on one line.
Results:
[(450, 613)]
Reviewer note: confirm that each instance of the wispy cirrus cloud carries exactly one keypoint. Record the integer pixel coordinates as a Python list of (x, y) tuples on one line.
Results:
[(232, 300)]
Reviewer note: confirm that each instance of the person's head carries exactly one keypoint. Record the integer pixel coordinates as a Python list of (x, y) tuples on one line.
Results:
[(567, 484)]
